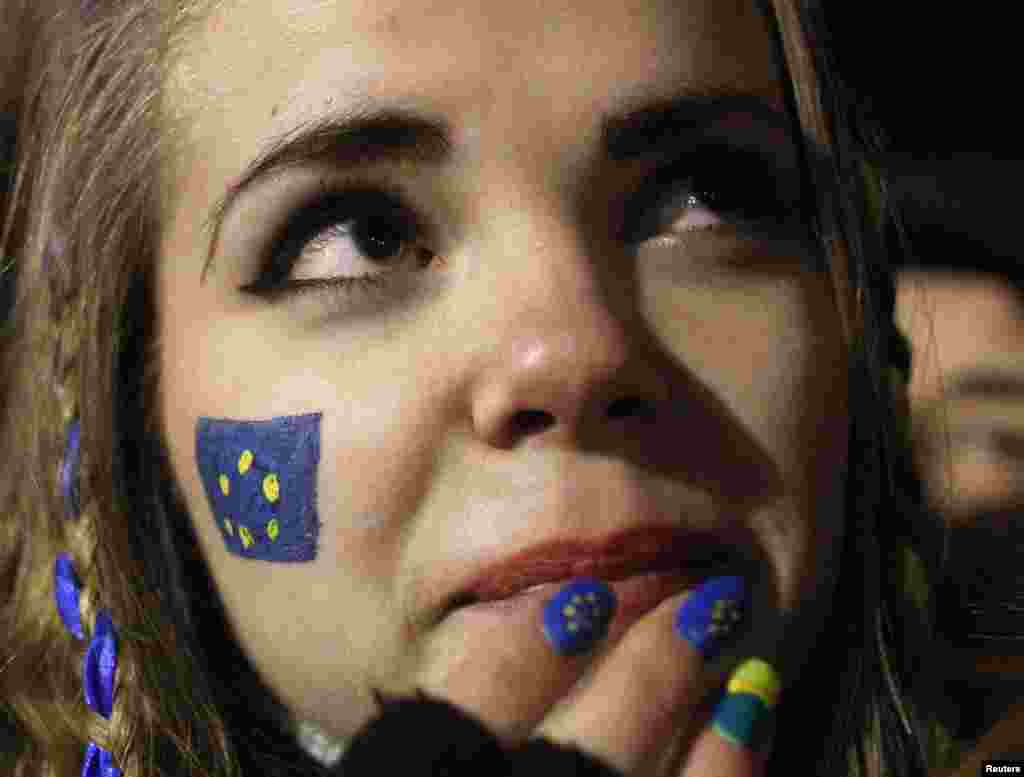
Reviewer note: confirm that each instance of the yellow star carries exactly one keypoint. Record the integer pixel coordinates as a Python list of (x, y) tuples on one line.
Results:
[(246, 535), (244, 462), (271, 488)]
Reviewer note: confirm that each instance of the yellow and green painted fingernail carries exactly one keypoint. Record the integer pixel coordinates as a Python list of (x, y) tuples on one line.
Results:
[(743, 715)]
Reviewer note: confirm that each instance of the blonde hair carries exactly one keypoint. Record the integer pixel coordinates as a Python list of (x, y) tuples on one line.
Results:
[(83, 224), (86, 189)]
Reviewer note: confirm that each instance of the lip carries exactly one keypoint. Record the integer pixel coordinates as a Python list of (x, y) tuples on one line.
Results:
[(617, 556), (635, 596)]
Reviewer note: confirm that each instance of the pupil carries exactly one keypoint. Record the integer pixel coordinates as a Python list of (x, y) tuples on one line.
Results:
[(719, 200), (378, 240), (750, 204)]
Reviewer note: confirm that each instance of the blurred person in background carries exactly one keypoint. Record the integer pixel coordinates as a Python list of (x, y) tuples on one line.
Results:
[(960, 301)]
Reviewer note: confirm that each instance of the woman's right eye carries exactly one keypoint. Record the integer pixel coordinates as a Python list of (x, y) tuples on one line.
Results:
[(342, 240)]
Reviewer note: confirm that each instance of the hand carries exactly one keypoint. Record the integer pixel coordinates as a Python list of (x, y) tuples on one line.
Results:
[(643, 707), (643, 718)]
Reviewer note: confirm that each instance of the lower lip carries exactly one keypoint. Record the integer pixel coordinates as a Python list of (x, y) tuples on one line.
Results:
[(635, 597)]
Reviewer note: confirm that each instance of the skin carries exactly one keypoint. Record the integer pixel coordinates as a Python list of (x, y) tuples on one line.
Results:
[(960, 322), (422, 465)]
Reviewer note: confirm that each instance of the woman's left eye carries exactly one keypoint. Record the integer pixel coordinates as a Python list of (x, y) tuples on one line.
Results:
[(710, 188)]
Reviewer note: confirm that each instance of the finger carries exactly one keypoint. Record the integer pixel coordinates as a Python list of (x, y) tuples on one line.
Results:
[(651, 685), (736, 744), (714, 756), (494, 660)]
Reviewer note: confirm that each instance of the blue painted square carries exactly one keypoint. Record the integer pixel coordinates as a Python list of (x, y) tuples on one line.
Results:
[(260, 480)]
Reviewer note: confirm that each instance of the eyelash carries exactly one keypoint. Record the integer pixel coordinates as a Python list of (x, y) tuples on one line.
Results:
[(743, 188), (361, 203), (759, 210)]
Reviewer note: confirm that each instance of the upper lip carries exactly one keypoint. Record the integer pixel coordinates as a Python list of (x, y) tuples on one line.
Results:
[(614, 556)]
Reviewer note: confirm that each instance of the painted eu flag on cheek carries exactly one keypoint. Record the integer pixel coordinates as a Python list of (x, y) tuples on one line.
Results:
[(260, 480)]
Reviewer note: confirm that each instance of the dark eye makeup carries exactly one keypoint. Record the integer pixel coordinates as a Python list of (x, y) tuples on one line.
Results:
[(380, 225), (749, 191)]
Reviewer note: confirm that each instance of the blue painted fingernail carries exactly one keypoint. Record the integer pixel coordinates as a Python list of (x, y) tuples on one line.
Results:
[(712, 613), (578, 616), (742, 716)]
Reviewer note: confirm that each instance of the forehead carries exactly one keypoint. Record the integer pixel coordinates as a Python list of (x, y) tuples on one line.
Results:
[(538, 69)]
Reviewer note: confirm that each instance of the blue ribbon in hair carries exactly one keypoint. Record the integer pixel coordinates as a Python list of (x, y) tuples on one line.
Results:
[(99, 666), (69, 470)]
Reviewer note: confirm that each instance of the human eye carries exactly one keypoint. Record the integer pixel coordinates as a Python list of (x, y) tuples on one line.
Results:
[(361, 239), (715, 189)]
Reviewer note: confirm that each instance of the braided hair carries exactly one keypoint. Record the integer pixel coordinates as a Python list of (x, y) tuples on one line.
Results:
[(86, 187)]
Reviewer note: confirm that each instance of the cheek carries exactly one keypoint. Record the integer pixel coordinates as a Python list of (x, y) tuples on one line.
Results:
[(771, 351), (260, 481), (351, 453), (774, 354), (379, 460)]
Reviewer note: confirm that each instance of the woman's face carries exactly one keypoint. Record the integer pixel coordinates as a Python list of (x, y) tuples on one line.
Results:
[(967, 334), (595, 315)]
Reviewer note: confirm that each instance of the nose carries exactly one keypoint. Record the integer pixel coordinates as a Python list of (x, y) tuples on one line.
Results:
[(570, 367)]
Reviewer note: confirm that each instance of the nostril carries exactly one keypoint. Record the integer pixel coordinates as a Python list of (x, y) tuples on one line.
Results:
[(530, 421), (630, 406)]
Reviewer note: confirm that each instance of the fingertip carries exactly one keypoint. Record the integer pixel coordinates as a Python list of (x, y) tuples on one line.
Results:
[(714, 755), (710, 617), (759, 678), (578, 616), (740, 719), (744, 716)]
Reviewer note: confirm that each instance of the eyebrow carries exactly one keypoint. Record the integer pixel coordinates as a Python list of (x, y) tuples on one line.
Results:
[(657, 128), (985, 382), (366, 135)]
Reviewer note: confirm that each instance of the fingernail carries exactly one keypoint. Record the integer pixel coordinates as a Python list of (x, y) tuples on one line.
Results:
[(744, 714), (578, 616), (712, 613)]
